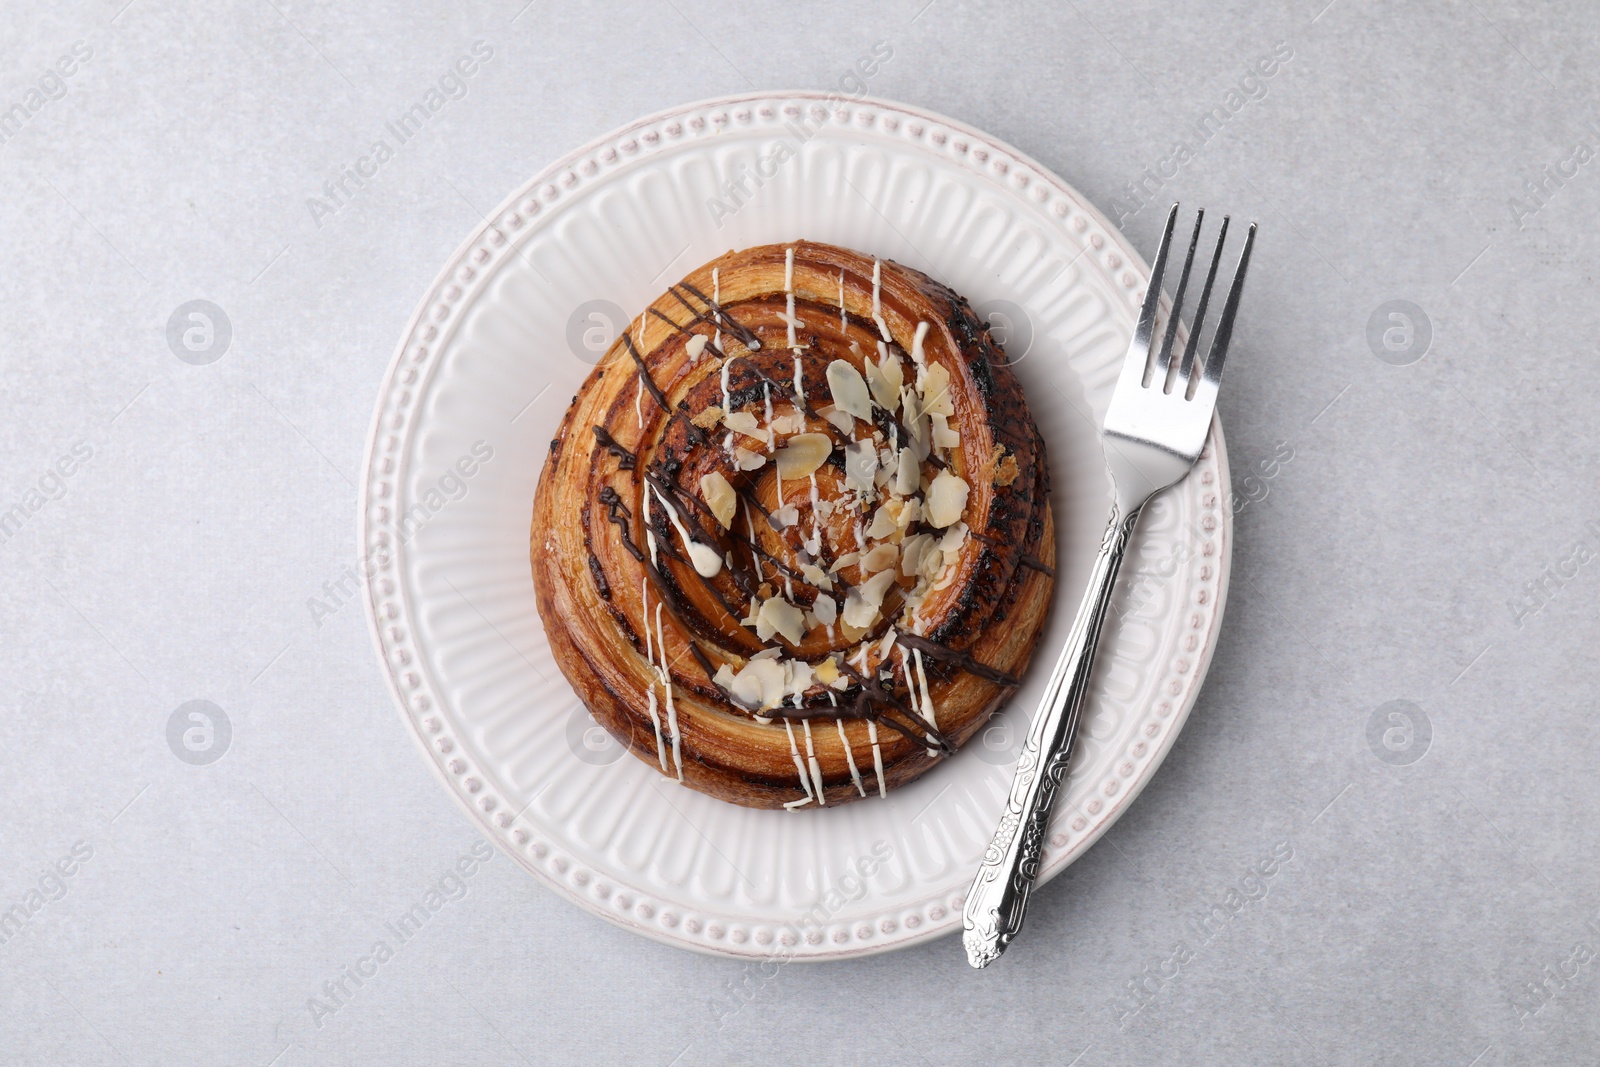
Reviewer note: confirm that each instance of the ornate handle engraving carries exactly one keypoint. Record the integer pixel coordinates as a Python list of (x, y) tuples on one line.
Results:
[(999, 894)]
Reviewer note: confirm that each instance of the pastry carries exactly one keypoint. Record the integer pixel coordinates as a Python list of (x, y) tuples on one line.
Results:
[(792, 543)]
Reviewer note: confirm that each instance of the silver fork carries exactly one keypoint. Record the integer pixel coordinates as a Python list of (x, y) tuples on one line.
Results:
[(1155, 428)]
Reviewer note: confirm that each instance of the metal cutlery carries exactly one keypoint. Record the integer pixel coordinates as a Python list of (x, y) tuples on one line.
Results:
[(1155, 428)]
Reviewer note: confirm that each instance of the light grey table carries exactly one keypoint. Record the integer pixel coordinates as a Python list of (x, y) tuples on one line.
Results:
[(1417, 523)]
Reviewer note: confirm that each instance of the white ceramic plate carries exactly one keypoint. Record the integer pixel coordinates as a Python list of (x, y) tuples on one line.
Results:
[(481, 378)]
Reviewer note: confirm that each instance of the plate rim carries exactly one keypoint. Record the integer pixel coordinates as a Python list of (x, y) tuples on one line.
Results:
[(568, 164)]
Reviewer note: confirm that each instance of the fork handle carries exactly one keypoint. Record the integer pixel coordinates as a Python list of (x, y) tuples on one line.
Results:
[(999, 895)]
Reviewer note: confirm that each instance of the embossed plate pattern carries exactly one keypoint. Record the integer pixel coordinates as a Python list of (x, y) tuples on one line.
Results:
[(477, 387)]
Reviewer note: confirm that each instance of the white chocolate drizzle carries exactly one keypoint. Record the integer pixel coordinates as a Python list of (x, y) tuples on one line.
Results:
[(716, 298), (917, 357), (850, 757), (704, 558), (844, 319), (883, 495), (665, 672), (877, 757), (928, 711), (800, 768), (649, 654), (811, 761), (877, 299), (727, 401)]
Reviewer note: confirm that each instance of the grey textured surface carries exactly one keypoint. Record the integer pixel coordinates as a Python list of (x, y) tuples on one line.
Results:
[(1442, 909)]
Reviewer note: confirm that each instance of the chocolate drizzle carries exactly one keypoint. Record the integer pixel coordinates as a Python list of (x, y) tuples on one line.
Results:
[(696, 435), (872, 693), (599, 574), (645, 380), (1036, 564), (745, 335), (953, 656), (668, 320), (625, 460), (617, 513), (1026, 559), (742, 578)]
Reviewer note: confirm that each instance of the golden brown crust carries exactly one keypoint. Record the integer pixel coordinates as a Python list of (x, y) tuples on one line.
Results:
[(602, 586)]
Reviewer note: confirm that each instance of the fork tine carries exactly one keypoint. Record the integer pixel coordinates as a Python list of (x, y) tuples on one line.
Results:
[(1185, 371), (1139, 347), (1164, 356), (1219, 344)]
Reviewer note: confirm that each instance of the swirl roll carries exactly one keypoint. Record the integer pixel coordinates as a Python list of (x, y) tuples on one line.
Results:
[(792, 543)]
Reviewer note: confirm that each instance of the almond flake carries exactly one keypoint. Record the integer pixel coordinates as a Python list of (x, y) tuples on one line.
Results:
[(853, 632), (912, 551), (916, 423), (935, 389), (842, 421), (826, 609), (953, 538), (885, 378), (719, 497), (873, 589), (779, 616), (768, 674), (860, 464), (883, 523), (849, 389), (858, 614), (760, 684), (803, 453), (946, 499), (906, 473), (881, 558), (815, 575), (797, 677), (744, 422), (943, 435)]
